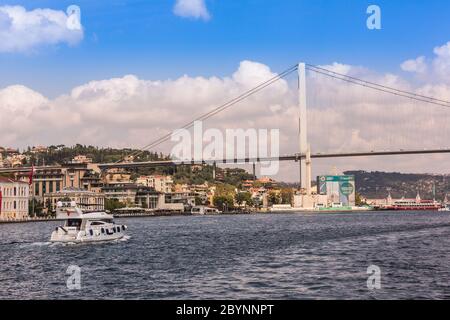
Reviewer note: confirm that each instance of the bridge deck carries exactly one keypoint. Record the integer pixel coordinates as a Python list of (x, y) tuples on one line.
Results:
[(294, 157)]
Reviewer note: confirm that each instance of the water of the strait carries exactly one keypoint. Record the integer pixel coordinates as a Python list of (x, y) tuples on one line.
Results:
[(279, 256)]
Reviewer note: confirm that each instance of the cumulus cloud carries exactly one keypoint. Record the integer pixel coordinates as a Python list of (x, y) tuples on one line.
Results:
[(191, 9), (437, 69), (22, 30), (441, 63), (129, 111), (415, 65)]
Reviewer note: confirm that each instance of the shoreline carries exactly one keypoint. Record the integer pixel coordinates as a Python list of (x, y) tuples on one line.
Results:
[(171, 214), (28, 220)]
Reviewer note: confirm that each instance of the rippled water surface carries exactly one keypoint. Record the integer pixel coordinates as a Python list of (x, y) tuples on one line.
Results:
[(284, 256)]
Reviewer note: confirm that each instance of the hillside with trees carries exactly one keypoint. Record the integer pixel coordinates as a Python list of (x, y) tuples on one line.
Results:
[(377, 184)]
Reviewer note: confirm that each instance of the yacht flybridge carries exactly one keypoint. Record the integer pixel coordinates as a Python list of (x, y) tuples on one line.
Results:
[(85, 226)]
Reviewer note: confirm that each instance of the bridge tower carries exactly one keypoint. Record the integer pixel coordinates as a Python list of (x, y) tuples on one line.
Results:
[(304, 149)]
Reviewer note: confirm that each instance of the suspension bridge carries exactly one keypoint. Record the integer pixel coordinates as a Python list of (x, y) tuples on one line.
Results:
[(304, 153)]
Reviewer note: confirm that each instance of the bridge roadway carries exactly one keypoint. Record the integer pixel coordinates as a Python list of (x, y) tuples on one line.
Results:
[(294, 157)]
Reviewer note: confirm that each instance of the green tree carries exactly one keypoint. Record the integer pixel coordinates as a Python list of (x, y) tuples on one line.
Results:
[(38, 208), (358, 200), (113, 204), (198, 201), (223, 202), (244, 197), (273, 198), (287, 195)]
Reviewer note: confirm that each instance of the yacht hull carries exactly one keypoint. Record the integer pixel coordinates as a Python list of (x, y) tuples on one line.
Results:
[(81, 238)]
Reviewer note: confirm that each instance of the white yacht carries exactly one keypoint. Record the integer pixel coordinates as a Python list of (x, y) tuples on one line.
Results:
[(85, 226), (202, 210)]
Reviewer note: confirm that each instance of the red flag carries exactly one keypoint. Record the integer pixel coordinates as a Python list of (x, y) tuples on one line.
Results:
[(30, 178)]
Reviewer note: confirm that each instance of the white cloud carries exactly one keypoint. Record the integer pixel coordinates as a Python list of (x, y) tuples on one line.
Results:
[(441, 62), (191, 9), (22, 30), (415, 65), (438, 68)]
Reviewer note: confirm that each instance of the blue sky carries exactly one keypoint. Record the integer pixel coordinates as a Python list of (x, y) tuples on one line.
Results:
[(145, 38)]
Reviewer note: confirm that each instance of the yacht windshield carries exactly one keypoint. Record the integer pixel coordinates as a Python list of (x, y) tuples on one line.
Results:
[(74, 223)]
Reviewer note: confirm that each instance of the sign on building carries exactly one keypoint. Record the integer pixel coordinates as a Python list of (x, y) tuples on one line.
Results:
[(338, 189)]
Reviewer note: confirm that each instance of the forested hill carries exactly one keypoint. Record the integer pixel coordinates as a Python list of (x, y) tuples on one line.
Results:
[(377, 184), (61, 154)]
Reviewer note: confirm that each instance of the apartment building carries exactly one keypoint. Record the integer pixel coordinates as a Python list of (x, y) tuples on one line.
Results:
[(160, 183), (54, 179)]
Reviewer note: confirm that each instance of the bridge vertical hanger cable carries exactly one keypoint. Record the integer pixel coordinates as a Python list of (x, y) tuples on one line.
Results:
[(430, 117)]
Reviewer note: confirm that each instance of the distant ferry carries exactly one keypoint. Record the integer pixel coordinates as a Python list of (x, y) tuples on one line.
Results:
[(413, 204)]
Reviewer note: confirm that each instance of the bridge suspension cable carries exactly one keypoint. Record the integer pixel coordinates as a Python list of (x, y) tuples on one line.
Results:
[(261, 86), (217, 110), (377, 86)]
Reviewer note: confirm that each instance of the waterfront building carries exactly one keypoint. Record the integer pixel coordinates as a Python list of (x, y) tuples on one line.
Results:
[(339, 189), (14, 196), (132, 194), (160, 183), (186, 198), (69, 175), (85, 200), (378, 202), (147, 198), (311, 201)]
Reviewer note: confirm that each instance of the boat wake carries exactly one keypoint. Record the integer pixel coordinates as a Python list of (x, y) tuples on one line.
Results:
[(36, 244), (124, 239), (63, 244)]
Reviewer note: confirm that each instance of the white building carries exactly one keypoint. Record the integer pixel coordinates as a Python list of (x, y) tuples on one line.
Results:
[(162, 184), (14, 197), (311, 201), (86, 200), (81, 159)]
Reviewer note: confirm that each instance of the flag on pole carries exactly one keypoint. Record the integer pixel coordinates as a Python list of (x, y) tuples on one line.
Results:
[(30, 178), (1, 201)]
